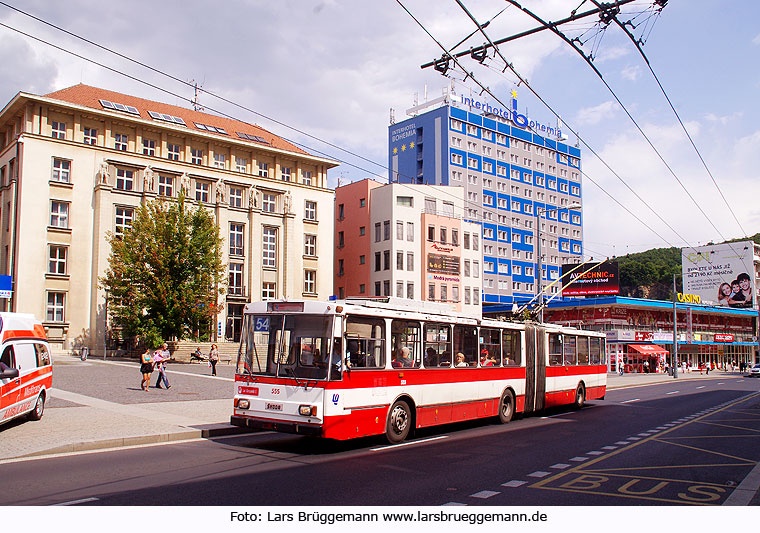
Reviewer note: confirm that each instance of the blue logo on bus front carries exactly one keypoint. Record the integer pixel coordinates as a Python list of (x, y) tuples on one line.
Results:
[(335, 398)]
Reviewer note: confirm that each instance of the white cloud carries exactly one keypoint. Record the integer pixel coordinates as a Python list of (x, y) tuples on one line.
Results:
[(591, 116), (631, 73)]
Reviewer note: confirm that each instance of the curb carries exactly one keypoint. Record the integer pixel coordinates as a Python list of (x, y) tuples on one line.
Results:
[(207, 433)]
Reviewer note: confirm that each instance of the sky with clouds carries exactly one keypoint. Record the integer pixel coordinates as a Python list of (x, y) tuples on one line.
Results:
[(335, 68)]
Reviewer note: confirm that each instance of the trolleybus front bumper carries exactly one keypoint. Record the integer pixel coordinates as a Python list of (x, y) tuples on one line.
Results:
[(272, 425)]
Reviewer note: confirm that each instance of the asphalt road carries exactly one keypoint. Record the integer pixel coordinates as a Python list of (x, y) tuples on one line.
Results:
[(677, 443)]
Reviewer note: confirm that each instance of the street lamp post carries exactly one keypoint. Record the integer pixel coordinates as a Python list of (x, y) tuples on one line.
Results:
[(539, 247)]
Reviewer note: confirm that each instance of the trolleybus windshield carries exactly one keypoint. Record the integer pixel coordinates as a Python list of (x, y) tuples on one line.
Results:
[(297, 346)]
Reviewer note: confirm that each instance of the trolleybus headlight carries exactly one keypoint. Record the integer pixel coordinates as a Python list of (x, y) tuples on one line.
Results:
[(307, 410), (242, 403)]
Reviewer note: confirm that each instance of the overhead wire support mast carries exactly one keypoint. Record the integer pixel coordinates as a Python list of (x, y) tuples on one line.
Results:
[(638, 44), (575, 47), (525, 33)]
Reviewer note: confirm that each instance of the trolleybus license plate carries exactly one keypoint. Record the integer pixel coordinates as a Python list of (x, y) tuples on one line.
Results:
[(273, 406)]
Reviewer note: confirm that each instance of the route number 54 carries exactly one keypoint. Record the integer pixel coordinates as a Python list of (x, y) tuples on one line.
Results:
[(262, 323)]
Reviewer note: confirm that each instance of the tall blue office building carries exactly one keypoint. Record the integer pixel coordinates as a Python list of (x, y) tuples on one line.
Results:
[(516, 173)]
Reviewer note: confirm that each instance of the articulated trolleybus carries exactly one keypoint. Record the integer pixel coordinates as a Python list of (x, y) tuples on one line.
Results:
[(352, 368)]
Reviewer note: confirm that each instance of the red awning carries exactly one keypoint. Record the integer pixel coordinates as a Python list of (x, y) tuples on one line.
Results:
[(648, 349)]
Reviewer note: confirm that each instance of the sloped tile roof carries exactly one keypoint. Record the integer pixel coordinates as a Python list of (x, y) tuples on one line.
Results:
[(87, 96)]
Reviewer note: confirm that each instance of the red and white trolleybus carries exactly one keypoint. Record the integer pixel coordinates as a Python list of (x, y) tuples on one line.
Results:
[(353, 368)]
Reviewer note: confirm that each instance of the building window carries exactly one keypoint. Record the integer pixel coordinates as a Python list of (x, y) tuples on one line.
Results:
[(196, 156), (57, 262), (165, 185), (341, 239), (202, 190), (268, 202), (378, 234), (362, 259), (56, 306), (362, 231), (378, 263), (90, 136), (310, 245), (268, 290), (467, 296), (387, 260), (124, 179), (236, 239), (61, 170), (285, 173), (410, 261), (377, 288), (431, 233), (306, 177), (120, 141), (241, 164), (386, 288), (399, 260), (410, 290), (172, 152), (124, 218), (236, 197), (341, 211), (455, 293), (235, 286), (59, 130), (399, 289), (220, 160), (310, 281), (341, 270), (269, 248), (443, 235), (454, 237), (59, 214), (264, 170), (362, 202), (149, 147), (410, 231), (310, 210), (386, 230), (431, 292), (399, 231)]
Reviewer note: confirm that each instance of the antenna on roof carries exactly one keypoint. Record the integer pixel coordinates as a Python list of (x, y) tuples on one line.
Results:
[(196, 105)]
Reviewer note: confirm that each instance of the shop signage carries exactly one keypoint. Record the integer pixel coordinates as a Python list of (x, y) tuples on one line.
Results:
[(443, 264), (724, 337), (518, 119), (689, 298), (591, 279)]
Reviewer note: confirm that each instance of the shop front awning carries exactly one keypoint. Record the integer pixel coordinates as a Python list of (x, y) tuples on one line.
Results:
[(648, 349)]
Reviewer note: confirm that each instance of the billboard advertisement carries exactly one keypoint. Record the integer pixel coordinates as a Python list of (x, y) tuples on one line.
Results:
[(720, 274), (601, 278)]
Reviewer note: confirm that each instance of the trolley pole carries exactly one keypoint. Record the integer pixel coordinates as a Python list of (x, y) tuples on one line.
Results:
[(675, 331)]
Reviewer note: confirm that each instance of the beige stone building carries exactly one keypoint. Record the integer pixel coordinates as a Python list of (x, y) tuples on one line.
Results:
[(75, 164)]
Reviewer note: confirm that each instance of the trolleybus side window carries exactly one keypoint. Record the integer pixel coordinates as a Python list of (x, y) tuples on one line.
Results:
[(555, 349), (596, 350), (466, 343), (569, 350), (512, 348), (583, 353), (490, 347), (438, 345), (405, 344), (365, 342)]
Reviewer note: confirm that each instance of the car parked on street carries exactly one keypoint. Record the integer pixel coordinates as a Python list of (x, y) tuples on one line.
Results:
[(754, 372), (26, 371)]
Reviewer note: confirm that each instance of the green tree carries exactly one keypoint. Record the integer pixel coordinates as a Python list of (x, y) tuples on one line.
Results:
[(165, 274)]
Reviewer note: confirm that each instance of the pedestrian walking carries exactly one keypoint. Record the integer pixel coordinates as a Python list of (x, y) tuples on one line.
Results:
[(213, 358), (146, 369), (159, 360)]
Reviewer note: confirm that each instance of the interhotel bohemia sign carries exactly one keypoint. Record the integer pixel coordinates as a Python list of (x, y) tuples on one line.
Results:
[(590, 279)]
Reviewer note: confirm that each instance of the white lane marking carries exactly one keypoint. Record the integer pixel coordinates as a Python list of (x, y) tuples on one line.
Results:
[(609, 447), (540, 473), (483, 494), (746, 490), (672, 392), (643, 434), (454, 504), (622, 443), (560, 466), (634, 438), (514, 483), (701, 387), (629, 401), (579, 459), (410, 443), (594, 453), (77, 502)]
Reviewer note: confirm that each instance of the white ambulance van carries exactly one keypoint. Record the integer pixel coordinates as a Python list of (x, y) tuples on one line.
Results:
[(26, 371)]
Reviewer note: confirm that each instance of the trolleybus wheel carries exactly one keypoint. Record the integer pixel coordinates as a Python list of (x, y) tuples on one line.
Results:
[(399, 422), (39, 408), (506, 407), (580, 397)]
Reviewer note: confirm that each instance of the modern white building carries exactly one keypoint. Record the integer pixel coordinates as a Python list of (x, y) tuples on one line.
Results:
[(75, 164)]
